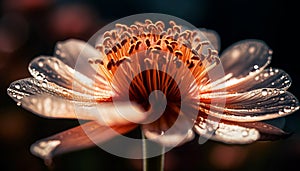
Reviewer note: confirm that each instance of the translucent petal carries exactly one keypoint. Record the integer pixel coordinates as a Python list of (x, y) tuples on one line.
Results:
[(235, 132), (169, 130), (76, 53), (267, 131), (51, 69), (246, 57), (48, 100), (32, 95), (213, 37), (209, 72), (256, 105), (75, 139), (268, 78), (225, 132)]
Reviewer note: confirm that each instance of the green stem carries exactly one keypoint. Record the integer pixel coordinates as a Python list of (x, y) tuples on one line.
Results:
[(153, 163)]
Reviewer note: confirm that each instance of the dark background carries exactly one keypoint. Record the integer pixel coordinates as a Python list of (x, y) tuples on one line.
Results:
[(29, 28)]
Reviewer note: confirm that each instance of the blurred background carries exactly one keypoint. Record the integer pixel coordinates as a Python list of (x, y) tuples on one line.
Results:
[(29, 28)]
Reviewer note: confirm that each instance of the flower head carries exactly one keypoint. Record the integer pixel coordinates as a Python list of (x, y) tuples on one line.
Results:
[(161, 77)]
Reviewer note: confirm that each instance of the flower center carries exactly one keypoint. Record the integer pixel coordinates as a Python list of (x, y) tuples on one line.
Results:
[(144, 84), (144, 57), (187, 47)]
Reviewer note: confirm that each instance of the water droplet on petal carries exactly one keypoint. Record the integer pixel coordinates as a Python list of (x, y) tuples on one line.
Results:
[(280, 112), (270, 52), (19, 97), (264, 92), (57, 52), (17, 86), (287, 109), (40, 64), (19, 103), (251, 49), (266, 75), (245, 133)]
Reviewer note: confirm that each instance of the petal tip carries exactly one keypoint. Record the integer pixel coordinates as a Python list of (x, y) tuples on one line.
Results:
[(44, 149)]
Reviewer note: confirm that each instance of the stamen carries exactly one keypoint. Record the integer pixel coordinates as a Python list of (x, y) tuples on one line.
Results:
[(182, 47)]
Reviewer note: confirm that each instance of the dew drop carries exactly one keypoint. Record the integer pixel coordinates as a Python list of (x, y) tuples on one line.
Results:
[(57, 52), (256, 67), (210, 129), (56, 65), (44, 84), (266, 75), (162, 132), (19, 103), (17, 86), (39, 76), (270, 52), (40, 64), (287, 109), (264, 92), (19, 97), (245, 133), (256, 78), (251, 49), (281, 98)]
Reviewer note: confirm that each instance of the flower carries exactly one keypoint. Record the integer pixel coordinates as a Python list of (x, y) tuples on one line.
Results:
[(132, 63)]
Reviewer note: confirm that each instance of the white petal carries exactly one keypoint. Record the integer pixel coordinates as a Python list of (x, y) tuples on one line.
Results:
[(52, 103), (256, 105), (77, 52), (245, 57), (224, 132), (80, 137), (169, 130), (268, 78), (51, 69)]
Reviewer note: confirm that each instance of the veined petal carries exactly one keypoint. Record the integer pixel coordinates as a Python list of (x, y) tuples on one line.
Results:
[(51, 69), (235, 132), (32, 95), (268, 78), (224, 132), (266, 131), (170, 130), (80, 137), (255, 105), (41, 100), (246, 57), (213, 37), (76, 52)]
